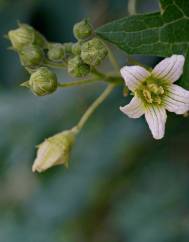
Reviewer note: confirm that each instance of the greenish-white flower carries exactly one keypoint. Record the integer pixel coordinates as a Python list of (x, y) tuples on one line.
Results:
[(154, 93)]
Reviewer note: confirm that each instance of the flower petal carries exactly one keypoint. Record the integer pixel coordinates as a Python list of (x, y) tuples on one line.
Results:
[(177, 100), (133, 76), (134, 109), (156, 118), (170, 68)]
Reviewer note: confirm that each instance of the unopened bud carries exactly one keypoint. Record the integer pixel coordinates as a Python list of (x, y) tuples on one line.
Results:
[(82, 30), (21, 36), (54, 151), (56, 52), (77, 68), (68, 48), (76, 49), (25, 35), (42, 82), (31, 55), (93, 52)]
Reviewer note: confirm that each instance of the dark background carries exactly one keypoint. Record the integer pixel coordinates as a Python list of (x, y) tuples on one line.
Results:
[(121, 186)]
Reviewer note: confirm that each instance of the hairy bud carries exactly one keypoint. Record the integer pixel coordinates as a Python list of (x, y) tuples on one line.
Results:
[(76, 49), (54, 151), (77, 68), (82, 30), (25, 35), (93, 52), (68, 48), (56, 52), (31, 55), (42, 82)]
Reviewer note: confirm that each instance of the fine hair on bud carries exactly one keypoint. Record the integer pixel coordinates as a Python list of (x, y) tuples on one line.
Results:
[(82, 30), (31, 55), (93, 52), (76, 48), (56, 52), (42, 82), (77, 68), (25, 35)]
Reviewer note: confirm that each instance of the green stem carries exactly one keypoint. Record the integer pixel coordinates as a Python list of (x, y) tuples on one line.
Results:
[(93, 107), (132, 7), (76, 83), (55, 65), (97, 73)]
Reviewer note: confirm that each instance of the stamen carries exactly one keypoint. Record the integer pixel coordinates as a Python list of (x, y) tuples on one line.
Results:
[(153, 88), (157, 100), (161, 90), (147, 96)]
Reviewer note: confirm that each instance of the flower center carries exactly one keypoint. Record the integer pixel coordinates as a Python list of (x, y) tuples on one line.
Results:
[(152, 91)]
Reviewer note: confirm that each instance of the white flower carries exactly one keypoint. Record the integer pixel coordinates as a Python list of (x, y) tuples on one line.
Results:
[(154, 93)]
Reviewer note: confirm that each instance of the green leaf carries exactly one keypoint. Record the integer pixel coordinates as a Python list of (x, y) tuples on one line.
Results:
[(161, 33)]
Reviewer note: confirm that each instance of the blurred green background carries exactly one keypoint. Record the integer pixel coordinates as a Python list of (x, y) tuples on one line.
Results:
[(121, 186)]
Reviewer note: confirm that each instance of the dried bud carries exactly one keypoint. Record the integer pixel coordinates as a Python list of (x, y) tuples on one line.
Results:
[(31, 55), (56, 52), (77, 68), (25, 35), (42, 82), (76, 48), (93, 52), (82, 30), (54, 151)]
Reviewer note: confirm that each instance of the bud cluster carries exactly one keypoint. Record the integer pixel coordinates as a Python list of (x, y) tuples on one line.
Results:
[(37, 55), (87, 52), (32, 47)]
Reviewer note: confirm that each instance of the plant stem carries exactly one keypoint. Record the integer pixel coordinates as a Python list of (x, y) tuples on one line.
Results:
[(132, 7), (113, 60), (55, 65), (97, 73), (77, 83), (93, 107)]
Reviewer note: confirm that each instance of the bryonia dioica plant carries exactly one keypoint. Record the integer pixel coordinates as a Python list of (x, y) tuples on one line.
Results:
[(153, 91)]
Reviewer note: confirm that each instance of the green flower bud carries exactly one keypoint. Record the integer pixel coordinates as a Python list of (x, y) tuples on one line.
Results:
[(40, 40), (21, 36), (82, 30), (54, 151), (42, 82), (31, 55), (25, 35), (56, 52), (77, 68), (68, 47), (93, 52), (76, 49)]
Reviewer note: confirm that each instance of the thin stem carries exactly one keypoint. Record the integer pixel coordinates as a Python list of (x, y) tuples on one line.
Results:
[(113, 60), (76, 83), (93, 107), (55, 65), (132, 7), (97, 73)]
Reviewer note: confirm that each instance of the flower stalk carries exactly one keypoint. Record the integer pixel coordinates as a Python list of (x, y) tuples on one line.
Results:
[(93, 108)]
